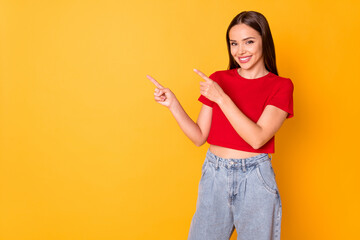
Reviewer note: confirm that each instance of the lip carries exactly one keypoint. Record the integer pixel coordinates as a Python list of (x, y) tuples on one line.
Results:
[(244, 61)]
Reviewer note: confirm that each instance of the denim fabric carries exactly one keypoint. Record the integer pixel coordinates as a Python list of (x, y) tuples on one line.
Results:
[(237, 193)]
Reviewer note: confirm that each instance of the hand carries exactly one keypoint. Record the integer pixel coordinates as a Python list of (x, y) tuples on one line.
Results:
[(163, 95), (210, 89)]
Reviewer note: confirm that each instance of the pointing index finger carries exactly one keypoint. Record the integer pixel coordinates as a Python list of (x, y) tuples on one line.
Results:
[(202, 75), (154, 82)]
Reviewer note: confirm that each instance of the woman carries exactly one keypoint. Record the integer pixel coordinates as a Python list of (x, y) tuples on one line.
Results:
[(243, 107)]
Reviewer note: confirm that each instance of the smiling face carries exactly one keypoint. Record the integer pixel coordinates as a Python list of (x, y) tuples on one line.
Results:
[(246, 48)]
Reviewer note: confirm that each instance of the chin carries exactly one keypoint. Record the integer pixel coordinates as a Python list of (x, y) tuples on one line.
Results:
[(245, 68)]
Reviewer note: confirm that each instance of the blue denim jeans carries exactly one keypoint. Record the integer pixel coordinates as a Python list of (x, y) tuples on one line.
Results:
[(239, 194)]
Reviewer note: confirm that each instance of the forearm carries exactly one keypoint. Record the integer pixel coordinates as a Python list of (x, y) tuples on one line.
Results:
[(244, 126), (187, 125)]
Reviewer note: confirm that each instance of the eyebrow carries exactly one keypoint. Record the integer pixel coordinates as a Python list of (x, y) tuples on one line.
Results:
[(242, 40)]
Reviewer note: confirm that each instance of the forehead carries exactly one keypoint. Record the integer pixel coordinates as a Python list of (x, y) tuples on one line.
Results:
[(241, 31)]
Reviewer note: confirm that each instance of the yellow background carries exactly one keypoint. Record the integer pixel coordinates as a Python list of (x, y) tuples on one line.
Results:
[(86, 152)]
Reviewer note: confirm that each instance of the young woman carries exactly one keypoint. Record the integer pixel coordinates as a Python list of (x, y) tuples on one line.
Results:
[(243, 107)]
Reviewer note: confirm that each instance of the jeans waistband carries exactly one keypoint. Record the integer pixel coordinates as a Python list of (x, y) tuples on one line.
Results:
[(243, 163)]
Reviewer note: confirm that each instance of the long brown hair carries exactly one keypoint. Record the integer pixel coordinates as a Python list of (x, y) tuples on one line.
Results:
[(258, 22)]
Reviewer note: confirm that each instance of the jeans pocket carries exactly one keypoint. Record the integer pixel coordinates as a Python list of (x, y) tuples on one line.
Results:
[(204, 167), (266, 176)]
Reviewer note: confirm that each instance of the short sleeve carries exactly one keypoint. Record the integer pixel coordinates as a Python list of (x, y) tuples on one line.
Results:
[(204, 99), (282, 97)]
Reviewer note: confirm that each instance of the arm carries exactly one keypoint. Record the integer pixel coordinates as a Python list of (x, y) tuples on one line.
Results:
[(196, 132), (256, 134)]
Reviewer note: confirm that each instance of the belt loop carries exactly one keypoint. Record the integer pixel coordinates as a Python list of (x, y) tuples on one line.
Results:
[(217, 162), (243, 164), (270, 156)]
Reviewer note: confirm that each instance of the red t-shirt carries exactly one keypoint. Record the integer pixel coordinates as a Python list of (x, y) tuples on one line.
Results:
[(251, 96)]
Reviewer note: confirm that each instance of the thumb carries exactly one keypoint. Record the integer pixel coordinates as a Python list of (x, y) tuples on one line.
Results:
[(162, 91)]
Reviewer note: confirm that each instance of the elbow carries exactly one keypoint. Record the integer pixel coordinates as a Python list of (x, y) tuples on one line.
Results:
[(199, 142), (257, 144), (256, 147), (259, 140)]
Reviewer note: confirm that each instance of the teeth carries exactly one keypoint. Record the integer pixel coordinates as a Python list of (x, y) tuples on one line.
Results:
[(242, 59)]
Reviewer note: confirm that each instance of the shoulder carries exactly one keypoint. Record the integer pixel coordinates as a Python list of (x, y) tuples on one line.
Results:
[(217, 75), (282, 82)]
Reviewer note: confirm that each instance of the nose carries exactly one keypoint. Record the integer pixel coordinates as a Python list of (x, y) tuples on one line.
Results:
[(241, 49)]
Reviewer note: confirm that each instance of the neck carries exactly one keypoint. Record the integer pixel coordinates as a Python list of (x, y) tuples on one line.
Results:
[(251, 74)]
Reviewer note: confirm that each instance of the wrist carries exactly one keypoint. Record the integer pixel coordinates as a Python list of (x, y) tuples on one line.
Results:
[(174, 106), (223, 97)]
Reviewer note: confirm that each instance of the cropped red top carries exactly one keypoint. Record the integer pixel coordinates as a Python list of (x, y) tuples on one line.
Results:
[(251, 96)]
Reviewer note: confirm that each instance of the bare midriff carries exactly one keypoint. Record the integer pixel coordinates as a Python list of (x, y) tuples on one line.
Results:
[(230, 153)]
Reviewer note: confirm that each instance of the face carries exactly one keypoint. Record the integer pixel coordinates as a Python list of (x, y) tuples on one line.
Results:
[(246, 47)]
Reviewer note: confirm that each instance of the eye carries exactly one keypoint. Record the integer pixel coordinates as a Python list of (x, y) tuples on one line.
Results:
[(232, 43), (250, 42)]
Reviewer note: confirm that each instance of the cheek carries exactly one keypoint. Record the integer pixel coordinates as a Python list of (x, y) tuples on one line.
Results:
[(259, 49), (252, 49), (233, 51)]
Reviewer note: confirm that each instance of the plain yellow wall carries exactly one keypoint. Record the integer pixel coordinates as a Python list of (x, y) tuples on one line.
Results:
[(86, 153)]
